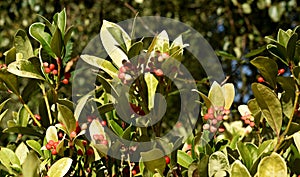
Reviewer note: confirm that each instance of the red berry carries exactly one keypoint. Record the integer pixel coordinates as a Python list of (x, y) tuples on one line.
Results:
[(45, 64), (221, 129), (65, 81), (38, 117), (67, 75), (51, 142), (54, 72), (79, 152), (60, 135), (52, 66), (133, 172), (55, 144), (84, 142), (206, 116), (260, 79), (73, 134), (53, 152), (281, 71), (103, 123), (48, 146), (252, 124), (167, 159), (247, 121), (90, 151), (158, 72), (47, 70)]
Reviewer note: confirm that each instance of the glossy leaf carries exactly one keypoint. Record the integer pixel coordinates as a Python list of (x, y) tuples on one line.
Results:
[(23, 117), (256, 51), (21, 152), (205, 98), (291, 46), (245, 154), (109, 88), (116, 127), (3, 104), (111, 44), (36, 146), (60, 167), (10, 55), (217, 162), (97, 129), (154, 160), (288, 96), (296, 137), (37, 31), (283, 37), (229, 93), (162, 42), (270, 105), (106, 108), (23, 130), (101, 63), (68, 35), (238, 170), (135, 50), (9, 158), (22, 44), (184, 159), (152, 83), (268, 69), (272, 166), (24, 68), (10, 81), (274, 50), (215, 95), (51, 134), (56, 43), (31, 165), (65, 116), (61, 20)]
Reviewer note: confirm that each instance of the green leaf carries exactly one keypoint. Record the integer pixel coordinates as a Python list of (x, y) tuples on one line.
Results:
[(57, 43), (228, 92), (24, 68), (205, 98), (68, 34), (111, 44), (65, 116), (245, 154), (101, 63), (135, 50), (31, 165), (296, 137), (276, 11), (23, 130), (238, 170), (154, 160), (51, 134), (106, 108), (184, 159), (272, 166), (10, 55), (288, 96), (255, 52), (3, 104), (162, 42), (109, 88), (2, 115), (23, 117), (22, 44), (116, 127), (283, 37), (22, 152), (36, 146), (60, 167), (152, 83), (36, 30), (268, 69), (215, 95), (61, 20), (9, 159), (270, 106), (275, 51), (291, 46), (10, 81), (226, 55), (217, 162)]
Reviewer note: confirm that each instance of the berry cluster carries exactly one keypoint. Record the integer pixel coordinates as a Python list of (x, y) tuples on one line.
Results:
[(51, 145), (50, 68), (248, 119), (214, 117), (3, 66), (100, 139), (154, 65)]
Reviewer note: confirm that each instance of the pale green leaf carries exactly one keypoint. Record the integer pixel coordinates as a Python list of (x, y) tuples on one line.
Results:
[(215, 95), (228, 92), (51, 134), (272, 166), (238, 170), (60, 167), (152, 83), (22, 152)]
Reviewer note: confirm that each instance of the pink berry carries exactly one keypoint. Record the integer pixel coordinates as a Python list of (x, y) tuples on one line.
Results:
[(54, 72), (73, 134), (48, 146), (52, 66), (45, 64), (51, 142), (65, 81), (206, 126), (47, 70)]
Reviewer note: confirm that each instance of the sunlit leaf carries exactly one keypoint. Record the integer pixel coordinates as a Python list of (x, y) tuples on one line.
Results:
[(22, 44), (215, 95), (217, 162), (238, 170), (153, 160), (24, 68), (60, 167), (152, 83), (272, 166)]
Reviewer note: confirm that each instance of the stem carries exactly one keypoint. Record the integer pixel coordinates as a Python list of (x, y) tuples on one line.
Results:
[(29, 111), (42, 86)]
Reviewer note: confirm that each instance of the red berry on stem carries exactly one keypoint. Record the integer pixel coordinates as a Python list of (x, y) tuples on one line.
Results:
[(54, 72), (90, 151), (38, 117), (47, 70), (53, 152), (167, 159), (65, 81), (84, 142), (260, 79), (79, 152), (252, 124), (73, 134), (281, 71), (60, 135), (133, 172), (55, 144), (51, 142), (67, 75), (48, 146), (103, 123), (52, 66)]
